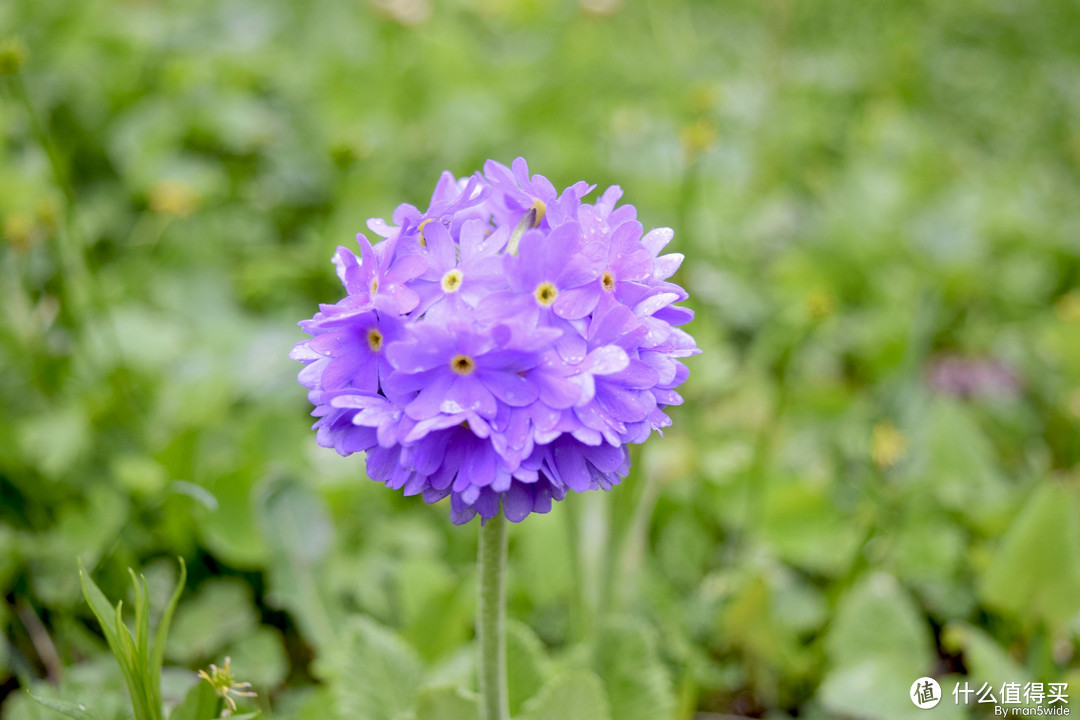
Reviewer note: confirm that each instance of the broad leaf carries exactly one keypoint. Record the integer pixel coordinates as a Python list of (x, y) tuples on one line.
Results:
[(879, 644), (1036, 571), (446, 703), (373, 673), (526, 664), (637, 682), (575, 696)]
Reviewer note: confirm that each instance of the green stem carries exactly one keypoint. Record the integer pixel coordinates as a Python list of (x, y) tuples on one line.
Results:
[(75, 280), (490, 624)]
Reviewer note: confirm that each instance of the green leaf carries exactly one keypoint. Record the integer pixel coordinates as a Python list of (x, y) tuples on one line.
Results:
[(142, 616), (747, 623), (220, 613), (796, 509), (99, 605), (200, 703), (260, 658), (139, 662), (577, 696), (878, 645), (298, 529), (373, 673), (1035, 574), (526, 664), (157, 652), (961, 471), (877, 619), (231, 531), (637, 682), (984, 658), (68, 709), (110, 620), (437, 609), (877, 689), (54, 441), (135, 669), (446, 703), (150, 682), (544, 547)]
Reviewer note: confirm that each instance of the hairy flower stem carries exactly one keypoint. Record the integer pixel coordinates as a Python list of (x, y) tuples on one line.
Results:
[(491, 620)]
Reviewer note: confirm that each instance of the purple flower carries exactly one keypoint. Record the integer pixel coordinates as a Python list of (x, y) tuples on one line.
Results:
[(455, 369), (375, 280), (462, 272), (973, 377), (503, 347)]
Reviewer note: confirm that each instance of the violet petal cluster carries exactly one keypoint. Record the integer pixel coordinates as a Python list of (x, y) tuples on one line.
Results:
[(502, 347)]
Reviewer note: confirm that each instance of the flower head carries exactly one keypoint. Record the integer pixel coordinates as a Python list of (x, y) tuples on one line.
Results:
[(225, 686), (502, 347)]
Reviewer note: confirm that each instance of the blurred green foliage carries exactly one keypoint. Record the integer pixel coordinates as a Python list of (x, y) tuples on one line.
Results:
[(875, 476)]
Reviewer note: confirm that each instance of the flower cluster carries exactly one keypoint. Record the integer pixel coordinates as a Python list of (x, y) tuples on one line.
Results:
[(502, 347)]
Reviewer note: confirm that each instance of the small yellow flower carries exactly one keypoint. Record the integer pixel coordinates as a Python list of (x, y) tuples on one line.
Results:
[(221, 679), (170, 197), (819, 304), (698, 138), (888, 445)]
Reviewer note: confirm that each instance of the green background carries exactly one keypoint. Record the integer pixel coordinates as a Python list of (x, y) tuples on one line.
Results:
[(866, 193)]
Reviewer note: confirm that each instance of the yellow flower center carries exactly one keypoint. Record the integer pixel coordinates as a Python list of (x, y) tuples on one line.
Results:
[(546, 293), (462, 364), (374, 339), (451, 281), (607, 281), (375, 286)]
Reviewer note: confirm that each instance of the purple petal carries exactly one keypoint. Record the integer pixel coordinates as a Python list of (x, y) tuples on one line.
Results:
[(674, 315), (430, 400), (468, 394), (517, 503), (441, 246), (556, 392), (637, 374), (657, 239), (651, 304), (571, 347), (666, 265), (571, 466), (511, 388), (606, 360), (577, 302)]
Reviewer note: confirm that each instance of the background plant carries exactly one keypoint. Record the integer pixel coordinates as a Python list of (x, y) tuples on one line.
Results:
[(879, 204)]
